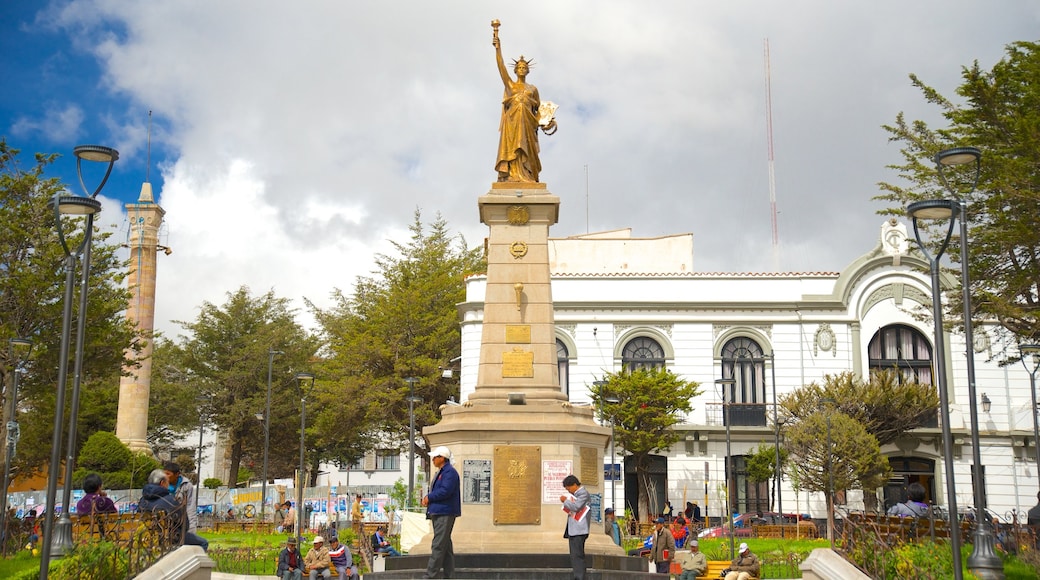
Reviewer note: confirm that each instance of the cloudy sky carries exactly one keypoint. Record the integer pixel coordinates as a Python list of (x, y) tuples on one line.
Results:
[(291, 140)]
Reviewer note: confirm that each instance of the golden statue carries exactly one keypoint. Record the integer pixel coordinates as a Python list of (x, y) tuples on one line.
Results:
[(522, 115)]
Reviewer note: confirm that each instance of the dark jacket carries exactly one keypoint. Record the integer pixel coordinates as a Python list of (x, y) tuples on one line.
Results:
[(746, 562), (283, 561), (157, 498), (445, 497)]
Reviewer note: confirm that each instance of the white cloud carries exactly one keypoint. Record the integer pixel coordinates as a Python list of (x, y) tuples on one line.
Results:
[(306, 135), (60, 123)]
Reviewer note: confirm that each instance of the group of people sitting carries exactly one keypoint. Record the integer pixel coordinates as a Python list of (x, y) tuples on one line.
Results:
[(319, 561), (166, 492)]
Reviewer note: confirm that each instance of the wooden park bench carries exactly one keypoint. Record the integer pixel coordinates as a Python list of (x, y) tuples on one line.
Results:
[(117, 528), (715, 568), (788, 531)]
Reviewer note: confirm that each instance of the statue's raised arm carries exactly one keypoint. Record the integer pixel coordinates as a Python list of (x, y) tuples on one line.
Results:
[(518, 142)]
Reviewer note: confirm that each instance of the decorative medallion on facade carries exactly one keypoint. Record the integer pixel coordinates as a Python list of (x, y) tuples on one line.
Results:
[(980, 340), (518, 215), (518, 249), (824, 340), (894, 240)]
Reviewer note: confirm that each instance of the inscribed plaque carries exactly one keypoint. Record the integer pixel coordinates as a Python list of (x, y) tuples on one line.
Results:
[(518, 333), (516, 471), (590, 466), (553, 472), (476, 481), (518, 364)]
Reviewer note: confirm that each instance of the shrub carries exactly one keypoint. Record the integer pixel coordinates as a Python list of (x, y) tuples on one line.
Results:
[(212, 483)]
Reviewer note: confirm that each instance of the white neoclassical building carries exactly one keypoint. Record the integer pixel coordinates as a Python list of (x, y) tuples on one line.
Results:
[(623, 302)]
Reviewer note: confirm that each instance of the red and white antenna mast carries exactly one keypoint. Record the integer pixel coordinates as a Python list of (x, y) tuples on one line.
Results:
[(772, 175)]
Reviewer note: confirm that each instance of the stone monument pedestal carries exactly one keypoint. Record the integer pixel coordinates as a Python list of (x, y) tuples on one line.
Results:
[(517, 436), (522, 445)]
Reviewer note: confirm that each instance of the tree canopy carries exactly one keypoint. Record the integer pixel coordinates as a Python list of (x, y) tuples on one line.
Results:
[(31, 303), (884, 407), (1000, 115), (400, 322), (650, 402), (224, 361)]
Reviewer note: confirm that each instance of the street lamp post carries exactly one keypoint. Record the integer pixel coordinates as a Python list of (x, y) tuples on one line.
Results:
[(202, 400), (939, 209), (724, 385), (1032, 350), (983, 561), (776, 442), (267, 432), (411, 437), (77, 206), (611, 399), (829, 402), (17, 351), (305, 383)]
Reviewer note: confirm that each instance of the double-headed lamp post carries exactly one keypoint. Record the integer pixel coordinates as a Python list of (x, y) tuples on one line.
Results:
[(412, 399), (983, 561), (930, 210), (724, 386), (17, 352), (305, 384), (1032, 351), (59, 544), (267, 431)]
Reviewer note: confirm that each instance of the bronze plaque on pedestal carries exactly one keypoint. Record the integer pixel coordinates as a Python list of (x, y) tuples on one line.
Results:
[(516, 477), (518, 333), (590, 466), (518, 364)]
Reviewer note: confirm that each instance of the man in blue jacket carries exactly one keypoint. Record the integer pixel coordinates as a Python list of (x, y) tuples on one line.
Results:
[(443, 504)]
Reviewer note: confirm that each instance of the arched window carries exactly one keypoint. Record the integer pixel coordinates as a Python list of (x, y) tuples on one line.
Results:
[(903, 349), (563, 362), (744, 362), (642, 353)]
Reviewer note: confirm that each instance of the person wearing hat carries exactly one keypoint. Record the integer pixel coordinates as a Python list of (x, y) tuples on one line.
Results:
[(744, 566), (576, 505), (663, 550), (611, 527), (290, 563), (317, 560), (443, 504), (694, 563)]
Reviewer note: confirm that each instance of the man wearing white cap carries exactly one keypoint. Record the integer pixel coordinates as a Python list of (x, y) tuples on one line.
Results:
[(694, 563), (443, 504), (745, 565), (317, 561)]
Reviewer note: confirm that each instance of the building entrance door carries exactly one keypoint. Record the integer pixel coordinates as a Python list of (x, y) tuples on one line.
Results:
[(907, 470)]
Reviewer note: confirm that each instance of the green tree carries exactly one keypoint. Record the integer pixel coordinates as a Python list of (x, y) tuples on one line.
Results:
[(1001, 116), (31, 303), (830, 451), (225, 357), (761, 466), (651, 402), (103, 453), (399, 322)]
